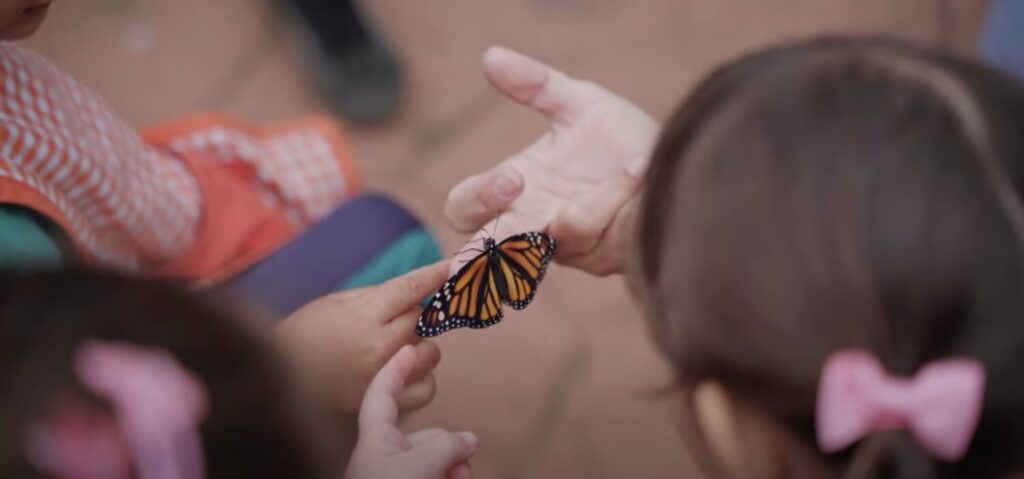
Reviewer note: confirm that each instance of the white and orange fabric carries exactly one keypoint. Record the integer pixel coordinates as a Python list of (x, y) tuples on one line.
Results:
[(200, 199)]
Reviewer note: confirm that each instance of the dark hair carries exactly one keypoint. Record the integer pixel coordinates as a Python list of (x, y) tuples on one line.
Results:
[(842, 193), (255, 425)]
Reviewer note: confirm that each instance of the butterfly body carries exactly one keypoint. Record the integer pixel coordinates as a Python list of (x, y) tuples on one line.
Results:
[(494, 259), (506, 272)]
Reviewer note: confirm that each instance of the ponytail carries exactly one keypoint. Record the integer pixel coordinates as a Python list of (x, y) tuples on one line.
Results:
[(890, 455)]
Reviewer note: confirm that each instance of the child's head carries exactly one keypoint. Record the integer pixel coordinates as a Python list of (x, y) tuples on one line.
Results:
[(21, 18), (829, 195), (253, 424)]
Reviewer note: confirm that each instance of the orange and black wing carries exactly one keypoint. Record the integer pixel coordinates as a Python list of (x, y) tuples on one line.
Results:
[(468, 299), (524, 260)]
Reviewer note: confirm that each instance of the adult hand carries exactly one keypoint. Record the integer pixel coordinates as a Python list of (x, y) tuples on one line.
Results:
[(579, 181), (343, 339), (384, 452)]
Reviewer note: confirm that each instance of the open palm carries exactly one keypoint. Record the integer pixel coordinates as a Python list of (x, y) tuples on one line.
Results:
[(574, 181)]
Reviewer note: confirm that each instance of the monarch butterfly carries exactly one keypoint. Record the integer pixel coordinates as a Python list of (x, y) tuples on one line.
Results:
[(508, 271)]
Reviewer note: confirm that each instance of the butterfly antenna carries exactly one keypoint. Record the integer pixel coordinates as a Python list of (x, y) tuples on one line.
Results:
[(496, 220), (478, 250)]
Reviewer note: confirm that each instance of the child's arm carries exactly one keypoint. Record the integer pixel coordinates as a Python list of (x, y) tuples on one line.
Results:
[(579, 182), (384, 452), (341, 340)]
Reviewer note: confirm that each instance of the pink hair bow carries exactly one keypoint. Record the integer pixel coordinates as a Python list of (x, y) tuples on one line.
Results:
[(157, 407), (940, 406)]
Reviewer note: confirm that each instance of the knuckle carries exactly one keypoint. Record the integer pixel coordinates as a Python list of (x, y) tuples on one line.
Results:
[(413, 284), (429, 389), (431, 354)]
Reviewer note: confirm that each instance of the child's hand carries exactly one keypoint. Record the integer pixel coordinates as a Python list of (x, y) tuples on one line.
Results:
[(343, 339), (579, 182), (384, 452)]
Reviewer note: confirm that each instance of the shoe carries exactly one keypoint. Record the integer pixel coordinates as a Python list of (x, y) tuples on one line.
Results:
[(360, 80)]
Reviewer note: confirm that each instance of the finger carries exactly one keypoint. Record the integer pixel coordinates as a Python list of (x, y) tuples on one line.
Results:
[(616, 247), (417, 395), (404, 292), (534, 84), (440, 454), (379, 409), (498, 229), (402, 328), (428, 356), (419, 437), (420, 385), (460, 471), (479, 198), (578, 226)]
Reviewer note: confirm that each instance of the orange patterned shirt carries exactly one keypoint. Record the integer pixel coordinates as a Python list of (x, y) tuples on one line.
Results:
[(200, 199)]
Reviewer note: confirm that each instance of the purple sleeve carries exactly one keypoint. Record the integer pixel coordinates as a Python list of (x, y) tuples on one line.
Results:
[(324, 256)]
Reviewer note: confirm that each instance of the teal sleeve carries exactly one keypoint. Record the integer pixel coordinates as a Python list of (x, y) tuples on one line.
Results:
[(410, 251), (24, 242)]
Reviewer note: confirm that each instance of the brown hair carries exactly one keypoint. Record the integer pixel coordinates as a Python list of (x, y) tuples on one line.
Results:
[(844, 193), (255, 426)]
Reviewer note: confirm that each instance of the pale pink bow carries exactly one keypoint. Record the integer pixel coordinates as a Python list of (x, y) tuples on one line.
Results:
[(157, 408), (940, 406)]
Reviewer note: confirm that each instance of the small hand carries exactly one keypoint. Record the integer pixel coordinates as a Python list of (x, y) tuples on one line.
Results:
[(343, 339), (384, 452), (579, 182)]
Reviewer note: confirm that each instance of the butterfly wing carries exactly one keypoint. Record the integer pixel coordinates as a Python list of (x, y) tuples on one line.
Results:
[(524, 261), (468, 299)]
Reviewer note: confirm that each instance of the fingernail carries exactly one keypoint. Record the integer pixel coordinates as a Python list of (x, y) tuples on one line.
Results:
[(637, 167), (506, 187), (468, 437)]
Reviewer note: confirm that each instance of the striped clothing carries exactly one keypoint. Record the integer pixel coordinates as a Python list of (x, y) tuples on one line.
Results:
[(200, 199)]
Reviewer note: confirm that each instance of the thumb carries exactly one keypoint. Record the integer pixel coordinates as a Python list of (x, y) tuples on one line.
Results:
[(481, 197), (434, 458), (580, 224), (529, 82)]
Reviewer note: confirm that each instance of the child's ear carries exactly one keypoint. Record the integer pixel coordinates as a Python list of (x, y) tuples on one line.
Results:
[(733, 434)]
